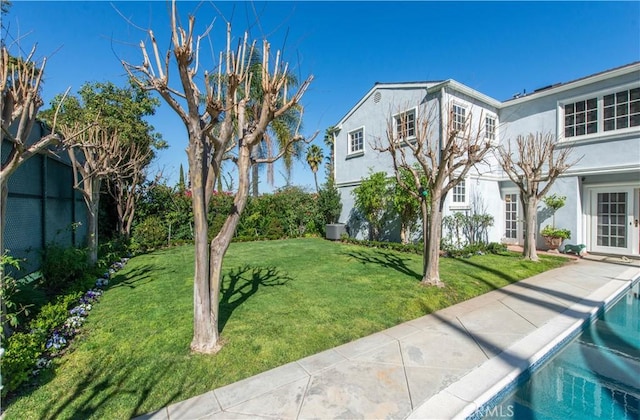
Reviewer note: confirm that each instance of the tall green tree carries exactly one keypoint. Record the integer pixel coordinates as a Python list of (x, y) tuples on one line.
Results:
[(314, 159), (371, 199), (329, 140)]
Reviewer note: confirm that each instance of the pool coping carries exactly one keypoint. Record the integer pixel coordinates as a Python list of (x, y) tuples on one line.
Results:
[(483, 386)]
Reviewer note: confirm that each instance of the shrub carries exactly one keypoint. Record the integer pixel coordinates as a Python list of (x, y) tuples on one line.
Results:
[(53, 314), (112, 251), (21, 354), (496, 248), (149, 234), (61, 267), (556, 232), (12, 310), (329, 205)]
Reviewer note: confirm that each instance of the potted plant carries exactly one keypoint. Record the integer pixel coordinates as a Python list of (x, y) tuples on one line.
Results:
[(552, 235)]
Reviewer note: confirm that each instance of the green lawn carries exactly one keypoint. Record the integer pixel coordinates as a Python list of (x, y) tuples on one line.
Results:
[(281, 301)]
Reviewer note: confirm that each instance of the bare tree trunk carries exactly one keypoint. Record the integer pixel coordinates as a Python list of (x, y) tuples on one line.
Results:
[(403, 234), (424, 209), (92, 195), (205, 327), (315, 179), (4, 194), (432, 261), (530, 210), (255, 178)]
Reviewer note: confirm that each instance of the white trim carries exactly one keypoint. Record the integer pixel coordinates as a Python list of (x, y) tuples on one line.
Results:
[(519, 239), (496, 123), (591, 215), (628, 69), (600, 134), (460, 205), (395, 117), (359, 152)]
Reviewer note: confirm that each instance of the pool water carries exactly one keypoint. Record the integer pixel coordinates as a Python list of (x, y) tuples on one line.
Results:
[(597, 375)]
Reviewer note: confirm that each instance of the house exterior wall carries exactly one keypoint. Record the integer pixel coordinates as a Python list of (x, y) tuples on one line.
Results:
[(607, 161), (603, 158)]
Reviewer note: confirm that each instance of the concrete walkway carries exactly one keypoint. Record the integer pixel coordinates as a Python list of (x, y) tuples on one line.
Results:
[(443, 365)]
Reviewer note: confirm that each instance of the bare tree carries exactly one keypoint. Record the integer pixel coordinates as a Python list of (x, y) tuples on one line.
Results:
[(218, 122), (533, 167), (439, 157), (124, 186), (20, 81), (96, 155)]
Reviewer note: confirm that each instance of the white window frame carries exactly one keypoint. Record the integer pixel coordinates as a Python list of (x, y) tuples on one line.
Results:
[(350, 151), (491, 135), (459, 121), (600, 132), (397, 120), (519, 240), (456, 203)]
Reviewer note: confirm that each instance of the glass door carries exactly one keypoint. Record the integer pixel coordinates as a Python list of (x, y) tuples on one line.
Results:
[(512, 231), (611, 220)]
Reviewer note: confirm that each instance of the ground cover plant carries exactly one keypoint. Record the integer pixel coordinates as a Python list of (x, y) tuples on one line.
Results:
[(280, 301)]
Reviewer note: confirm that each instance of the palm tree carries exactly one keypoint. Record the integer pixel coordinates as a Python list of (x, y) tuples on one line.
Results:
[(314, 159)]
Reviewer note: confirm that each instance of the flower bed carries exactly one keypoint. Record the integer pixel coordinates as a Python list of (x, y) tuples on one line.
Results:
[(26, 354)]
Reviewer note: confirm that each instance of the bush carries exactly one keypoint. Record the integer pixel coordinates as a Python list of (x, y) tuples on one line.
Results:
[(150, 234), (61, 267), (395, 246), (496, 248), (112, 251), (329, 205), (54, 314), (21, 354)]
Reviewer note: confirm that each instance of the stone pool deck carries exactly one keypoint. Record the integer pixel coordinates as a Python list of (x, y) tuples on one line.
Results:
[(440, 366)]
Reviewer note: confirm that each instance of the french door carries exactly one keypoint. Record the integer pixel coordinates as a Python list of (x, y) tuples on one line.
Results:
[(512, 223), (613, 227)]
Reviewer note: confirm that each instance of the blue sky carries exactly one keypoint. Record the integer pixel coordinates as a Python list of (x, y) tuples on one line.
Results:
[(498, 48)]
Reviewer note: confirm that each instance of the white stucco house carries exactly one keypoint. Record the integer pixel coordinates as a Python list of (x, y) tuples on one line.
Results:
[(598, 116)]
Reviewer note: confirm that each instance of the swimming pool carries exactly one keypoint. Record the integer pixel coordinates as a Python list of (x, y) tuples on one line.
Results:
[(597, 375)]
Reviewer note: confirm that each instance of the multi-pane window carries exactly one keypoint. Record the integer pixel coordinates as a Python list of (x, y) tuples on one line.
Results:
[(460, 193), (612, 220), (581, 118), (459, 117), (604, 113), (406, 124), (621, 109), (490, 128), (356, 141), (511, 216)]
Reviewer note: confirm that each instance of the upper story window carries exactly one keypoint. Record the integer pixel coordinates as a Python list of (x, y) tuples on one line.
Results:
[(581, 118), (460, 193), (621, 109), (356, 141), (405, 124), (598, 114), (459, 117), (490, 128)]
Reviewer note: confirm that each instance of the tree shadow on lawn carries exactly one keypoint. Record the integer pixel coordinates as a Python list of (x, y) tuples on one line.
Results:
[(385, 259), (132, 278), (101, 384), (239, 284)]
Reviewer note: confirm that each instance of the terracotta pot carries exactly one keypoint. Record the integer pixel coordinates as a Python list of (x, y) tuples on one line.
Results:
[(553, 242)]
